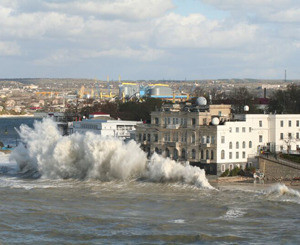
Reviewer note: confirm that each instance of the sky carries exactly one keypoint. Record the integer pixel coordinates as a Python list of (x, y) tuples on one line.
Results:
[(150, 39)]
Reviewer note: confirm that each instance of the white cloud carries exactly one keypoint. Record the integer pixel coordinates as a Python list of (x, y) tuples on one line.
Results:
[(9, 49), (254, 35), (195, 31)]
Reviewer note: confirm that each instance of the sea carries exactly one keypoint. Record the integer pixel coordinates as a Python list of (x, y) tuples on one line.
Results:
[(84, 189)]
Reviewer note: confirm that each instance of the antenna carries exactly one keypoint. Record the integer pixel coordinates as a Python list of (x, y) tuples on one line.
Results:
[(284, 75)]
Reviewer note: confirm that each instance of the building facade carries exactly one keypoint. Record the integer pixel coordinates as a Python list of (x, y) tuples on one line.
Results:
[(214, 139)]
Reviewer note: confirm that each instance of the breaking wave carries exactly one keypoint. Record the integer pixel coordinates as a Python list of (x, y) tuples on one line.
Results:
[(88, 156), (281, 190)]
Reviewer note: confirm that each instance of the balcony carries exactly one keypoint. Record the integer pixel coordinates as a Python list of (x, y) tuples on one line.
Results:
[(173, 126)]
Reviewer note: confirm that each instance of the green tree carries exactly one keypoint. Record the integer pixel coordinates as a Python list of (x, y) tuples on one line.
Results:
[(285, 101)]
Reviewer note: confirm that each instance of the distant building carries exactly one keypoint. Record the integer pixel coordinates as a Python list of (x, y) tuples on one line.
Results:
[(106, 128)]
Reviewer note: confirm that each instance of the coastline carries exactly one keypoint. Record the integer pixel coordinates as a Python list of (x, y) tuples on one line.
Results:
[(9, 116)]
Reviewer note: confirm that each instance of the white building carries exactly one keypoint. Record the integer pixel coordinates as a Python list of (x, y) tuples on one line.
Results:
[(240, 140), (107, 128)]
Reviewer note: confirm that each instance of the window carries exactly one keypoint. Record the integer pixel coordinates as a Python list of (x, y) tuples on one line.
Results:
[(230, 145), (237, 155), (156, 137), (222, 139), (193, 154), (144, 137), (281, 136), (203, 139), (223, 168), (193, 121), (193, 138), (230, 130), (222, 154), (202, 154), (243, 129), (212, 139), (237, 130), (237, 145), (167, 152), (244, 154), (290, 123), (281, 123), (207, 154), (174, 120), (156, 120), (290, 135), (169, 120), (175, 136), (149, 137), (204, 121), (212, 155), (244, 144), (297, 136), (260, 139), (250, 144), (250, 129), (230, 167), (260, 123), (207, 139), (297, 123), (230, 155)]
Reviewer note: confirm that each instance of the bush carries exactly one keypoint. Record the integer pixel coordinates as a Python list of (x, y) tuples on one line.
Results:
[(225, 174)]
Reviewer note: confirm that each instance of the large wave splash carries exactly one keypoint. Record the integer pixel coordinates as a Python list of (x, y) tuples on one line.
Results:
[(89, 156)]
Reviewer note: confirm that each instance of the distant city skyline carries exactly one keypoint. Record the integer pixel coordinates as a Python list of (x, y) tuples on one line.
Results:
[(150, 39)]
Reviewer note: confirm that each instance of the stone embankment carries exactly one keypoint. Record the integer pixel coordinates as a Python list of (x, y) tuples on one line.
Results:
[(276, 169)]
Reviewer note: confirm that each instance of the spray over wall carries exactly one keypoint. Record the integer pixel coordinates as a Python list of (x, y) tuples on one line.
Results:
[(88, 156)]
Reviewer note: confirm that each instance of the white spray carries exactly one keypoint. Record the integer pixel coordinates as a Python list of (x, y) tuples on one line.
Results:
[(90, 156)]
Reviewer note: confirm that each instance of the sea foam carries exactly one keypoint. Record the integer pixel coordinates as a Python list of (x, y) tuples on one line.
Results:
[(89, 156)]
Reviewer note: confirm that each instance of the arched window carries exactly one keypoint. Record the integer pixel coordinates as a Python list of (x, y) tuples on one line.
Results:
[(175, 154), (250, 144), (193, 154), (193, 138), (207, 154), (237, 145), (183, 154), (202, 154), (222, 154), (212, 155), (244, 144), (223, 168), (230, 145)]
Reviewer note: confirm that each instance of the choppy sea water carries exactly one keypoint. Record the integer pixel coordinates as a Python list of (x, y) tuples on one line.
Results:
[(161, 206)]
